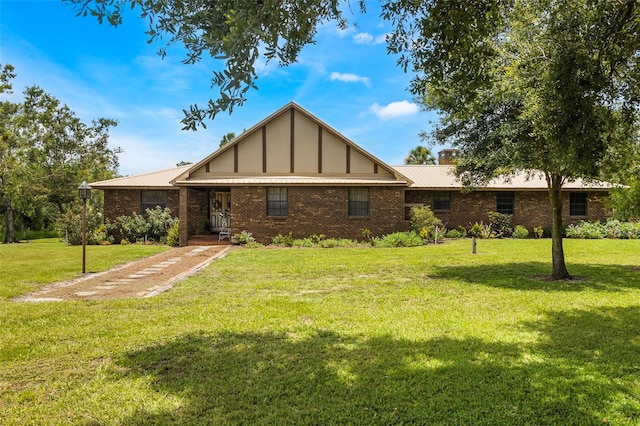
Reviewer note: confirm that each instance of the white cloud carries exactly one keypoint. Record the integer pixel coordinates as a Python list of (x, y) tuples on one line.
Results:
[(394, 109), (349, 78), (366, 38)]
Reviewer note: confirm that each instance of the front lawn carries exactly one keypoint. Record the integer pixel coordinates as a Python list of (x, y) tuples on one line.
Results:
[(426, 335), (26, 266)]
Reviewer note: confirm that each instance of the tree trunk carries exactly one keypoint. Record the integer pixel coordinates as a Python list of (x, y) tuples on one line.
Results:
[(559, 272), (9, 225)]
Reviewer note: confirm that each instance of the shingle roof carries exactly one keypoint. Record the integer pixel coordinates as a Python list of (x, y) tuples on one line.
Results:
[(442, 177)]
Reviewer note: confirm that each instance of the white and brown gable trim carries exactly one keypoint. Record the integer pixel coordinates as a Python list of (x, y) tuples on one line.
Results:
[(291, 147)]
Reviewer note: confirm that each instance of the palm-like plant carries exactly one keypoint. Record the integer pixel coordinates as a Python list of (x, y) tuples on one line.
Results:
[(420, 155)]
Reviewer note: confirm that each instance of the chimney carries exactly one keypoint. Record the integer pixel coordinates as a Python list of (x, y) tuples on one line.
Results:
[(448, 157)]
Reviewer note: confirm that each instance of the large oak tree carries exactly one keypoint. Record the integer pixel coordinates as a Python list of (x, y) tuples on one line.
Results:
[(550, 86)]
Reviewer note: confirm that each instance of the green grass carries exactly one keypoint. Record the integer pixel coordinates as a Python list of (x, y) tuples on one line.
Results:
[(426, 335), (29, 234)]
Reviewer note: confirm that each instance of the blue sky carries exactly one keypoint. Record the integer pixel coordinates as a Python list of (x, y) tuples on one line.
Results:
[(347, 80)]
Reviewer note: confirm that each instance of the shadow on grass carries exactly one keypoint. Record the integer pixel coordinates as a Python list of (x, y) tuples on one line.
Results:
[(537, 276), (572, 376)]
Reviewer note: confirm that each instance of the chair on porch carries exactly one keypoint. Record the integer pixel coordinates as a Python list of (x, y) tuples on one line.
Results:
[(225, 231)]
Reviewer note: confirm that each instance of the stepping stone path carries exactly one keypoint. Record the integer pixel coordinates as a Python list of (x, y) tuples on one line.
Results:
[(142, 278)]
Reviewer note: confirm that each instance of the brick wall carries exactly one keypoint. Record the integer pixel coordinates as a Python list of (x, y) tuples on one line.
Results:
[(324, 210), (198, 211), (125, 202), (531, 208), (119, 202), (316, 210)]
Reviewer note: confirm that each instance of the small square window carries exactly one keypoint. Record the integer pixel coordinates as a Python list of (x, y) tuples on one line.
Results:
[(577, 203), (505, 202), (277, 203), (359, 201), (442, 200)]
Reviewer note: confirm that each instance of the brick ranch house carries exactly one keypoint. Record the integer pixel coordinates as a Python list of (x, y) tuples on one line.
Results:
[(293, 173)]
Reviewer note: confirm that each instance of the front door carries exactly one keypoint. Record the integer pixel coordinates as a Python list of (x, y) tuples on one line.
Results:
[(220, 210)]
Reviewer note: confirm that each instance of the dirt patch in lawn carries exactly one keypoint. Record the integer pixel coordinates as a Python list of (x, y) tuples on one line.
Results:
[(142, 278)]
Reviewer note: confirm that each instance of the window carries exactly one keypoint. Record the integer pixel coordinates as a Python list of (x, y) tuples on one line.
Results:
[(504, 202), (577, 203), (277, 204), (359, 201), (442, 200), (152, 199)]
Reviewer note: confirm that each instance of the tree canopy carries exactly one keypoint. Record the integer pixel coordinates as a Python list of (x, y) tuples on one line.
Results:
[(527, 85), (227, 138), (45, 152), (237, 33)]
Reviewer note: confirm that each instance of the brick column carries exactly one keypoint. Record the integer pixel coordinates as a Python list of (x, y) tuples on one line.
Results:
[(183, 215)]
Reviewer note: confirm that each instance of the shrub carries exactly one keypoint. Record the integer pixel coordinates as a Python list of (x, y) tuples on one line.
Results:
[(100, 236), (303, 242), (423, 221), (337, 242), (480, 230), (454, 233), (69, 225), (173, 234), (132, 228), (137, 228), (246, 238), (520, 232), (586, 230), (317, 238), (538, 231), (400, 239), (159, 222), (283, 240), (611, 229), (500, 225), (622, 230)]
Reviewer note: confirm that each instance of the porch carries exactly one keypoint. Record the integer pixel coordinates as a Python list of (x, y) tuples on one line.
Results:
[(205, 216), (208, 240)]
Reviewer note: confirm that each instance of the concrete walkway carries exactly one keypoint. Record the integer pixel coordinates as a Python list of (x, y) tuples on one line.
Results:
[(142, 278)]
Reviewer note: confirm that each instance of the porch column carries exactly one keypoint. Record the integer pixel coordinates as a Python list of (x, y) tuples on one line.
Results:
[(183, 215)]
